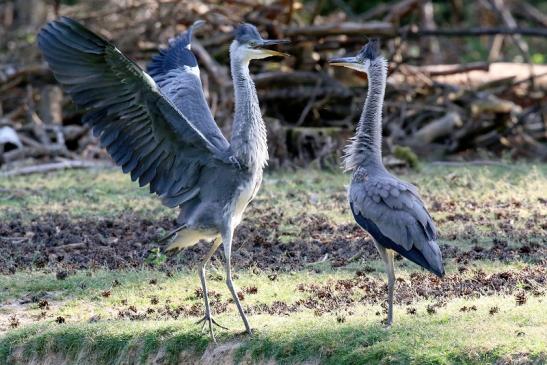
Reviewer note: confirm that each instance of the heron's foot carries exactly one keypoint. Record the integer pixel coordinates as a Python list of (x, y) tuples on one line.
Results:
[(248, 329), (208, 319)]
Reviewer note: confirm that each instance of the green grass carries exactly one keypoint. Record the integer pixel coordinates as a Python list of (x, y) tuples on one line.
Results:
[(477, 191), (448, 336), (472, 205), (421, 339)]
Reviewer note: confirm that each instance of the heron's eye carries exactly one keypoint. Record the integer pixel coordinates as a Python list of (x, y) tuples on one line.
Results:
[(252, 44)]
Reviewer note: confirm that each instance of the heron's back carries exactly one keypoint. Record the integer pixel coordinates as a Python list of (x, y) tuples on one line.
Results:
[(393, 213)]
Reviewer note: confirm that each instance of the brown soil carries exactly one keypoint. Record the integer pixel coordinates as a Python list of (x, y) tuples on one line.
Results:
[(57, 242), (338, 296)]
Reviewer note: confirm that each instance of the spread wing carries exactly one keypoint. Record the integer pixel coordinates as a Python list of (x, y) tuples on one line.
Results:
[(176, 71), (141, 129), (393, 213)]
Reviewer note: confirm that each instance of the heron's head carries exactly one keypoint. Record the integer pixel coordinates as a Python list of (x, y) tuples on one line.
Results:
[(367, 56), (249, 44)]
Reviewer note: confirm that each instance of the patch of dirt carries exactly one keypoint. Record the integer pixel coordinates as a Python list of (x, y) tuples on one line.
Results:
[(216, 353), (14, 313), (336, 296), (59, 243), (17, 357), (221, 354)]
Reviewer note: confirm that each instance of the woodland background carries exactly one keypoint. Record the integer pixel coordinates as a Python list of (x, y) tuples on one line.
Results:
[(467, 79)]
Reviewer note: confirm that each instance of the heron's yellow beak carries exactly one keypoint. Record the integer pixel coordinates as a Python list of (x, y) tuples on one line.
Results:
[(271, 52)]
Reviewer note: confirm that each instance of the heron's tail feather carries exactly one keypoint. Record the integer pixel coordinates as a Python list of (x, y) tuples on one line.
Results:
[(171, 234), (431, 261)]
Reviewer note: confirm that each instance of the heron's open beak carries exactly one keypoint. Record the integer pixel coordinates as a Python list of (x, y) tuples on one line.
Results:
[(349, 62), (271, 42)]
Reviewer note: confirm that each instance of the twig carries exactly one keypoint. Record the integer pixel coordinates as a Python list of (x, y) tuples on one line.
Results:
[(310, 103), (532, 12), (473, 163), (507, 17), (323, 259), (538, 76)]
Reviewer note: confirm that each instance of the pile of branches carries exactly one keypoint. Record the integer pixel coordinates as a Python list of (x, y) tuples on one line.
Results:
[(440, 110)]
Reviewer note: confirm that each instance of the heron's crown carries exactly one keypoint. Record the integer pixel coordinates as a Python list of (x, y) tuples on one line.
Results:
[(246, 32), (371, 50)]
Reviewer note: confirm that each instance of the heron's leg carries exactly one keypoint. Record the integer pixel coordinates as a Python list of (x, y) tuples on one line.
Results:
[(227, 242), (208, 317), (387, 256), (390, 286)]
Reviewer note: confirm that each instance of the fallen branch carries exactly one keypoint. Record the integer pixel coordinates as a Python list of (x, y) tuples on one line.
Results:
[(443, 70), (438, 128), (35, 152), (218, 72), (530, 32), (56, 166), (22, 73), (370, 28), (401, 9)]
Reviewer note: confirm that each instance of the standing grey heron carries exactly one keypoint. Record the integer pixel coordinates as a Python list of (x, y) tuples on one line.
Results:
[(158, 127), (389, 209)]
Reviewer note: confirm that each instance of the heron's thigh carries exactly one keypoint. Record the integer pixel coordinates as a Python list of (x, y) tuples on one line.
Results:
[(381, 250)]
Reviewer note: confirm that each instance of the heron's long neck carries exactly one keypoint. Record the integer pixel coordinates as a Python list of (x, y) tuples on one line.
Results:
[(366, 145), (249, 141)]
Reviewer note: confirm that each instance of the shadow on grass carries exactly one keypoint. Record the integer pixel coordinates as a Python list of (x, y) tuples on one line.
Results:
[(410, 342), (346, 344), (418, 340), (101, 343)]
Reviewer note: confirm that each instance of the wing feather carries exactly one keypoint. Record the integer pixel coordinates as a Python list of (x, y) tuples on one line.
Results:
[(394, 214), (141, 128), (176, 71)]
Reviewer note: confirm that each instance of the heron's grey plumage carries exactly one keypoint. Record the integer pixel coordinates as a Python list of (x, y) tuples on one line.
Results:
[(249, 132), (367, 142), (159, 128), (176, 71), (390, 209)]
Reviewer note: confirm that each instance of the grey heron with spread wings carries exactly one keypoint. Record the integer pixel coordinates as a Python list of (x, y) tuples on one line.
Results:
[(158, 127), (389, 209)]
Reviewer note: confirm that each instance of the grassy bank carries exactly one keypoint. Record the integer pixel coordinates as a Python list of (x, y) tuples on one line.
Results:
[(489, 308)]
